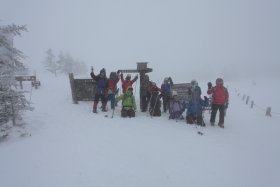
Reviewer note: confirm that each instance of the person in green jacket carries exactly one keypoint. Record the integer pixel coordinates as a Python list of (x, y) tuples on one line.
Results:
[(128, 103)]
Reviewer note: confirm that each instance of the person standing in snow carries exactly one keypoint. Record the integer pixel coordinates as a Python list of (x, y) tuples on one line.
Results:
[(195, 107), (101, 89), (220, 98), (128, 103), (194, 86), (166, 93), (127, 82), (155, 102), (145, 93), (112, 88)]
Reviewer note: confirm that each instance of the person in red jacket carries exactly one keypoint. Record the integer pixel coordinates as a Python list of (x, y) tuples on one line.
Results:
[(220, 98), (127, 82), (112, 87)]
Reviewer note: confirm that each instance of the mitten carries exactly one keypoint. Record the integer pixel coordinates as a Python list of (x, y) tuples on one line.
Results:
[(209, 85)]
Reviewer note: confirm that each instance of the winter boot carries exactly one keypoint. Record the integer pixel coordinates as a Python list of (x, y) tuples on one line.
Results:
[(104, 107), (221, 125), (94, 106)]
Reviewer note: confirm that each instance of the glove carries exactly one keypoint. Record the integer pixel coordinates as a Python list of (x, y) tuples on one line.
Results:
[(136, 76), (205, 98), (160, 96), (91, 74), (226, 105), (209, 85), (118, 72)]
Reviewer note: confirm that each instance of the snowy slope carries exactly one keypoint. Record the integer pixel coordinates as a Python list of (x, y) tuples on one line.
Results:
[(70, 146)]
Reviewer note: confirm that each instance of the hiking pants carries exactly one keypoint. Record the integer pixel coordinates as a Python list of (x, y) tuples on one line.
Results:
[(127, 113), (215, 108)]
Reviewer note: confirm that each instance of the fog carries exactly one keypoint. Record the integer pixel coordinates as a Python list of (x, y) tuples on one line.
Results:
[(199, 39)]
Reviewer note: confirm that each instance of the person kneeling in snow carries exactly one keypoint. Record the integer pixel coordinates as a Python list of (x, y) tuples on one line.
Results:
[(128, 103), (195, 107), (177, 107)]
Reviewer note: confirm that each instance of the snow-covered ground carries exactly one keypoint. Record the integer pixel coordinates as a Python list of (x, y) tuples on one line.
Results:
[(64, 144)]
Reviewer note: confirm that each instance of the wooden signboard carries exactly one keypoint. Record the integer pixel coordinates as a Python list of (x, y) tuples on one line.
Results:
[(183, 90)]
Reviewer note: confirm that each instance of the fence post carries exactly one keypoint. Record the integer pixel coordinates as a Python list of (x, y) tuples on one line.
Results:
[(252, 104), (244, 96), (268, 111), (247, 100), (72, 84)]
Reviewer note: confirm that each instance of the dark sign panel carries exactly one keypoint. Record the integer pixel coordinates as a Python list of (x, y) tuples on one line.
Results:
[(84, 89), (182, 90), (26, 78)]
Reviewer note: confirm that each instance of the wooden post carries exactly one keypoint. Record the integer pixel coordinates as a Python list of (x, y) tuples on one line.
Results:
[(20, 83), (142, 75), (72, 84), (247, 100), (252, 104), (268, 111)]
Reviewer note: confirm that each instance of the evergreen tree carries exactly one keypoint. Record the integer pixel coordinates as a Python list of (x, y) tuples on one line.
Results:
[(51, 63), (12, 100)]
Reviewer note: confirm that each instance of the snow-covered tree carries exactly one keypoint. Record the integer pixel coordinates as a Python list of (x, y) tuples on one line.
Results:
[(12, 100), (51, 63), (67, 64)]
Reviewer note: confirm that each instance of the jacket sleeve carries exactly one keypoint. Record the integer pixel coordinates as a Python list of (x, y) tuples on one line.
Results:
[(226, 95), (171, 82), (135, 79), (122, 78), (134, 104), (210, 91), (94, 77), (120, 97), (204, 103)]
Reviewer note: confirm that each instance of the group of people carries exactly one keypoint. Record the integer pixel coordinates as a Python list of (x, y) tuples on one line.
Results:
[(151, 96)]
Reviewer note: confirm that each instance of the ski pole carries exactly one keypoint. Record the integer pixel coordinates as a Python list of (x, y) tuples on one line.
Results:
[(113, 113)]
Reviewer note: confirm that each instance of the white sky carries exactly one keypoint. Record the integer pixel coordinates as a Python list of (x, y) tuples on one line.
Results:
[(184, 39)]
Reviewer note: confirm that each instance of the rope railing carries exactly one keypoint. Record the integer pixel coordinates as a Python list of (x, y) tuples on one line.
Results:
[(268, 110)]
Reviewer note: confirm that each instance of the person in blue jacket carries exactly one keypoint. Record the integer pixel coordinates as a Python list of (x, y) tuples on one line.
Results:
[(166, 91), (195, 108), (177, 106), (101, 89)]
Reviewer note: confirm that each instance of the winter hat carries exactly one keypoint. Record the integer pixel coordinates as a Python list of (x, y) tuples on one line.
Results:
[(194, 83), (128, 77), (113, 75), (219, 81), (103, 71)]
